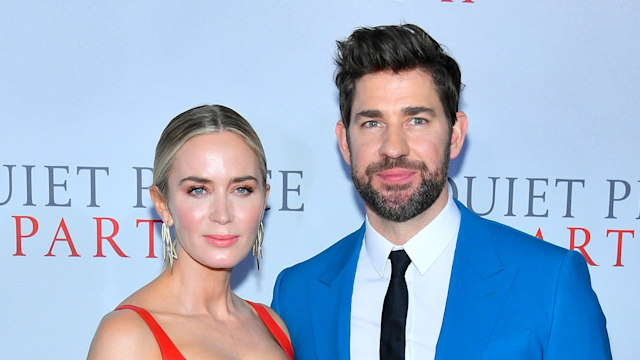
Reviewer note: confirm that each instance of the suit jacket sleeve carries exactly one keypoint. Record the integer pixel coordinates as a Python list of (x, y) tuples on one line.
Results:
[(578, 328), (275, 301)]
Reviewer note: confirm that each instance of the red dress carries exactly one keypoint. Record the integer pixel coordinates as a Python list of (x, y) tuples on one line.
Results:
[(170, 352)]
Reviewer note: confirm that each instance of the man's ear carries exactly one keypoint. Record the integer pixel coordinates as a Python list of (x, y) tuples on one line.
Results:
[(161, 205), (343, 143), (458, 133)]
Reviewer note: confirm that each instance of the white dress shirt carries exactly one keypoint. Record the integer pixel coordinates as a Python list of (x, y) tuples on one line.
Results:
[(431, 251)]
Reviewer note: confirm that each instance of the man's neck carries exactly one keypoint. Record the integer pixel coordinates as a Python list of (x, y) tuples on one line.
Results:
[(400, 232)]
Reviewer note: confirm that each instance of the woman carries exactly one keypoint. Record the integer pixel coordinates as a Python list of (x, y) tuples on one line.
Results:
[(210, 185)]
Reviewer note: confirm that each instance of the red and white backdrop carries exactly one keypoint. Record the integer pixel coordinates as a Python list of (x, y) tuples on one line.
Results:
[(551, 91)]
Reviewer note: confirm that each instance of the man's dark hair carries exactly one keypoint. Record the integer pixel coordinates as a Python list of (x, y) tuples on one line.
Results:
[(395, 48)]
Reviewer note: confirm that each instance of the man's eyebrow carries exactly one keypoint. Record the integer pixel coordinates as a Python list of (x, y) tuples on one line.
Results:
[(415, 110), (369, 114), (410, 111)]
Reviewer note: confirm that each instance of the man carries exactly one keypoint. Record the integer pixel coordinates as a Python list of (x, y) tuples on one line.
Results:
[(474, 289)]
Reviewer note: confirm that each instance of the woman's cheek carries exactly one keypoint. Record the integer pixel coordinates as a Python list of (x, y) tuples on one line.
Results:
[(189, 216)]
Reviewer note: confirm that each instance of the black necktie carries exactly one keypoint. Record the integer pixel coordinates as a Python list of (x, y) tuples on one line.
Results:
[(394, 311)]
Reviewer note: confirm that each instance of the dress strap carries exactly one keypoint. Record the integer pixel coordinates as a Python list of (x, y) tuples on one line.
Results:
[(273, 327), (168, 349)]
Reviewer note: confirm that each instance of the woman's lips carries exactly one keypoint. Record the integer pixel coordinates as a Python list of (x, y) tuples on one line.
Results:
[(221, 240)]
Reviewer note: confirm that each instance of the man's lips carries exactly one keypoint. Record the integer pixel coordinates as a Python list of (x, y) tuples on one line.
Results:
[(221, 240), (396, 175)]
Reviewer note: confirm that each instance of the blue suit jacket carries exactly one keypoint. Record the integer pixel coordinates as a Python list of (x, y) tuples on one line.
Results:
[(511, 296)]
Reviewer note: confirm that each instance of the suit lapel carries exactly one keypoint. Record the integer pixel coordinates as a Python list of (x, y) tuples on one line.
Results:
[(331, 300), (477, 290)]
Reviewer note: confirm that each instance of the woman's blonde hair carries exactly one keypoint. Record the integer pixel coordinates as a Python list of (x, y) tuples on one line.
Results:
[(202, 120)]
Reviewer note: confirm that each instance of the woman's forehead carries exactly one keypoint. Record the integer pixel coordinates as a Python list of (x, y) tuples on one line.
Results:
[(216, 154)]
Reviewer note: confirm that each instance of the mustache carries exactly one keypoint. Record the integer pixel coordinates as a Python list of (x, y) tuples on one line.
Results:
[(389, 163)]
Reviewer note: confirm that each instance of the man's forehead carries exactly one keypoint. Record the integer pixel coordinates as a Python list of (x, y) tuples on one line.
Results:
[(387, 91)]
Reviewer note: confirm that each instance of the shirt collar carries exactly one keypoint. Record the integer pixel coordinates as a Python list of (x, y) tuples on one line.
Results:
[(423, 248)]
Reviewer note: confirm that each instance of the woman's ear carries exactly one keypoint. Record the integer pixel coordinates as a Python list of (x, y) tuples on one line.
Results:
[(161, 205), (266, 196)]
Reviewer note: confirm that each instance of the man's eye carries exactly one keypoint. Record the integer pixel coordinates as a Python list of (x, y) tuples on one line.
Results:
[(418, 121), (370, 124)]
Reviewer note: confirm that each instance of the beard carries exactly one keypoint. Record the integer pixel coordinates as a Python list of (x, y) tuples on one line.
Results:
[(393, 203)]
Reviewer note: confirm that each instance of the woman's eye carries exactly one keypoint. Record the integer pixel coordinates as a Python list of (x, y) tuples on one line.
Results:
[(197, 191), (243, 190)]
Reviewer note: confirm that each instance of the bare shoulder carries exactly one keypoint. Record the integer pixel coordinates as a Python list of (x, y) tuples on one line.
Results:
[(123, 335), (278, 320)]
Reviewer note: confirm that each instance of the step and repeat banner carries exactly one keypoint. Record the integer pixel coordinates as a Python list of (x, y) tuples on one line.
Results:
[(551, 92)]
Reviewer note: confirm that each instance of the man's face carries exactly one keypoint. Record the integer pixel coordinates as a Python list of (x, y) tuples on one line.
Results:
[(399, 143)]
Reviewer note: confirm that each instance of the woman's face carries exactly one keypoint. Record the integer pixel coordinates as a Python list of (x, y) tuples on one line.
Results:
[(215, 199)]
